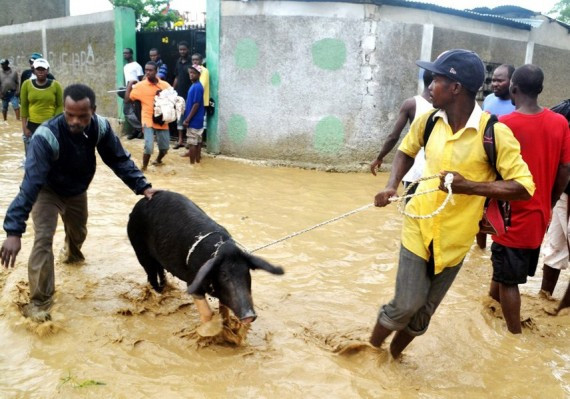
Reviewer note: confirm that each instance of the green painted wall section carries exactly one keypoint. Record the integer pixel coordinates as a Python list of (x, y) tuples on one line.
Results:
[(276, 79), (125, 36), (329, 135), (246, 54), (237, 128), (213, 13), (329, 54)]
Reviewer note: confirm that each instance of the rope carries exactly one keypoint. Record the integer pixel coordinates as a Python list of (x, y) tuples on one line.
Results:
[(402, 204), (198, 241), (311, 228)]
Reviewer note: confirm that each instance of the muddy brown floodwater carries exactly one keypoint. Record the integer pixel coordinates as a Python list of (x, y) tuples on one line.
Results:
[(310, 338)]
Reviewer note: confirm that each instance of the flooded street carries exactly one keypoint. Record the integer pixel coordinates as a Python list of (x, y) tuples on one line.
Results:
[(108, 327)]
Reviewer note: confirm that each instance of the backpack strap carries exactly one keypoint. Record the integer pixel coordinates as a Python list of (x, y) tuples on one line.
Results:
[(47, 134), (102, 128), (429, 126), (489, 143)]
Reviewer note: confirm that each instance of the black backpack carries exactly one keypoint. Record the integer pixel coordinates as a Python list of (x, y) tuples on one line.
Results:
[(486, 225)]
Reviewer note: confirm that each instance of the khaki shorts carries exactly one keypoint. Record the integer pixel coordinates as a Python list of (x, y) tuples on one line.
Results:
[(556, 243), (194, 136)]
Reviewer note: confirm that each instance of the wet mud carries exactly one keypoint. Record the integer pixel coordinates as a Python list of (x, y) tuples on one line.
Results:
[(112, 336)]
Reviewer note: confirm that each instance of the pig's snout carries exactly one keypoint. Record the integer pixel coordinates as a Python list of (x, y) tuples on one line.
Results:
[(248, 317)]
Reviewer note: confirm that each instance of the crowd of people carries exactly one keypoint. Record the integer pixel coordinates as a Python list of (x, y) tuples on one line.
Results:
[(190, 81), (531, 145), (532, 170)]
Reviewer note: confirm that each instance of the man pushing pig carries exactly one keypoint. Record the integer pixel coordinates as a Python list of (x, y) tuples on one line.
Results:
[(59, 168)]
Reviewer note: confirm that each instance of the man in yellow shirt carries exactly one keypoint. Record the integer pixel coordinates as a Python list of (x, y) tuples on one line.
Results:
[(205, 81), (433, 249)]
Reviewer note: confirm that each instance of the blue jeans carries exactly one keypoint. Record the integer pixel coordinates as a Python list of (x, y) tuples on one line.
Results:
[(10, 98), (418, 294), (162, 139)]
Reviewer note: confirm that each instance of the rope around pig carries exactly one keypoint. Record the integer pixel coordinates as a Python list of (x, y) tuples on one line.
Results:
[(402, 203)]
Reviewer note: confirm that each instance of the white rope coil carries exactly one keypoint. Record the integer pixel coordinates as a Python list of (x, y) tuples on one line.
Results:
[(402, 203)]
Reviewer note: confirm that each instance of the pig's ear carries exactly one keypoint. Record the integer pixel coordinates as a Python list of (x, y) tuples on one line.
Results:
[(258, 263), (201, 275)]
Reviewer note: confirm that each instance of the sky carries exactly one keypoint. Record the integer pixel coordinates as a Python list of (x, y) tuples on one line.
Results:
[(79, 7)]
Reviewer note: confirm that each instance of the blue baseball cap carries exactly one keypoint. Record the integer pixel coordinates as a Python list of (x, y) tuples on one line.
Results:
[(35, 56), (463, 66)]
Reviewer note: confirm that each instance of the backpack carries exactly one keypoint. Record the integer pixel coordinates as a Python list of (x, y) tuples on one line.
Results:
[(496, 213)]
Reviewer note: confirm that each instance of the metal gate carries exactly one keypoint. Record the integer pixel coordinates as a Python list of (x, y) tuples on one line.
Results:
[(166, 41)]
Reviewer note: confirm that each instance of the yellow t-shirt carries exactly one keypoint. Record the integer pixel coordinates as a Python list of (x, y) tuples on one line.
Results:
[(205, 80), (452, 231)]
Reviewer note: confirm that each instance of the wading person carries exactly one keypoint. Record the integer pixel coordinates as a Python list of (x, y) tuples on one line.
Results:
[(498, 103), (545, 147), (182, 84), (144, 91), (9, 89), (433, 249), (29, 73), (556, 242), (411, 108), (60, 167), (197, 59), (194, 115), (40, 99)]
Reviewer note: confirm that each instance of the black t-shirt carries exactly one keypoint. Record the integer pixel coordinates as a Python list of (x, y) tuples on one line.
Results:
[(567, 189), (183, 78)]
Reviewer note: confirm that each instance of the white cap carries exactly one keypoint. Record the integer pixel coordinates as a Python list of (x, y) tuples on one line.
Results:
[(40, 63)]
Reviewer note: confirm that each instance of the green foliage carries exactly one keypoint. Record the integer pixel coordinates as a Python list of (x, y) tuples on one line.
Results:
[(561, 11), (72, 380), (149, 14)]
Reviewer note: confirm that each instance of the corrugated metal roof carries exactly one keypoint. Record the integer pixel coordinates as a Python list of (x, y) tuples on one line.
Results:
[(494, 19)]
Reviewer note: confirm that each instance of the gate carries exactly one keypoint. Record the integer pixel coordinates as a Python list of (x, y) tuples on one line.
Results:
[(166, 41)]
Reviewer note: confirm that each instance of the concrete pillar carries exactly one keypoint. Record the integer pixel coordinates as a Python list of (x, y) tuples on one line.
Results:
[(213, 19), (125, 36), (427, 44), (529, 53)]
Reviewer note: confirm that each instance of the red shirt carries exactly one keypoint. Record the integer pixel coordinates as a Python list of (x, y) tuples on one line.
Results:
[(544, 139)]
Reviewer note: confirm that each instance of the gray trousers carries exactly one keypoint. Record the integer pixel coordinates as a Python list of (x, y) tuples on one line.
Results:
[(48, 206), (418, 294)]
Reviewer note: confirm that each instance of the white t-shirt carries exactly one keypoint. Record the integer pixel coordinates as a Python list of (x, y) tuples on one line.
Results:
[(422, 106), (132, 71)]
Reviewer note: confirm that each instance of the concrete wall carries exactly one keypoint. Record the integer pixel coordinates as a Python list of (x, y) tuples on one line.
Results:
[(21, 11), (79, 49), (321, 83)]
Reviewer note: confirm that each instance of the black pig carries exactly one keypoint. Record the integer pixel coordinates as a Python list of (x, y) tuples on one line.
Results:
[(170, 232)]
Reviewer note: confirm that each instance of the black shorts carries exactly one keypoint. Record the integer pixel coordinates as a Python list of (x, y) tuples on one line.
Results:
[(511, 266)]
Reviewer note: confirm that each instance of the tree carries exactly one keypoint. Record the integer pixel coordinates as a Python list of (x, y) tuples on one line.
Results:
[(561, 11), (150, 14)]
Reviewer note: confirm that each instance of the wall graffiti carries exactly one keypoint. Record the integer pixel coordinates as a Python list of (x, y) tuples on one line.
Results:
[(75, 63)]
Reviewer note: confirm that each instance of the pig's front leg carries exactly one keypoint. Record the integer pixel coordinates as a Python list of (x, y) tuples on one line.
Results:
[(203, 309)]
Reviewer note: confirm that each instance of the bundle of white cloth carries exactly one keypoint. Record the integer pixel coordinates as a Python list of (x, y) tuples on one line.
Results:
[(169, 105)]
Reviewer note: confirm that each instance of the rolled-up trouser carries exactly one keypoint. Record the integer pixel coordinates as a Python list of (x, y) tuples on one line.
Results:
[(48, 206), (556, 243), (418, 294), (162, 139)]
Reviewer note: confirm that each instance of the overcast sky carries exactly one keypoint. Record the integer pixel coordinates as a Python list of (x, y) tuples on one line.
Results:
[(79, 7)]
